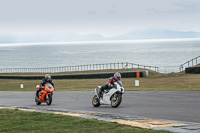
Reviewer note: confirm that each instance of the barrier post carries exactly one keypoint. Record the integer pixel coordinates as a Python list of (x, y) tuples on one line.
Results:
[(138, 74), (137, 82)]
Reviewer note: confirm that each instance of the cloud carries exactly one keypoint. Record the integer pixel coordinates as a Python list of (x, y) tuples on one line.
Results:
[(181, 6), (107, 18), (92, 12), (189, 6)]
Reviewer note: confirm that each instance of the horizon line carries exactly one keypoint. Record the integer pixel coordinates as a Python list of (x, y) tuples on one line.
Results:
[(98, 42)]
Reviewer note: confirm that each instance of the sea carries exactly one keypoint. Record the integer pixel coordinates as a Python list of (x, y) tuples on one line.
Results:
[(160, 53)]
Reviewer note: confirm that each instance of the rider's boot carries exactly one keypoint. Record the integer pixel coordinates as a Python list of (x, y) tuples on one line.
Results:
[(100, 94)]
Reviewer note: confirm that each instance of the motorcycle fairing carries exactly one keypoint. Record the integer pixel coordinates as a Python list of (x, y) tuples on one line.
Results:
[(107, 96)]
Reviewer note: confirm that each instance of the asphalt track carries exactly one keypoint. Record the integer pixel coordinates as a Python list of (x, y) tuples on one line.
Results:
[(169, 105)]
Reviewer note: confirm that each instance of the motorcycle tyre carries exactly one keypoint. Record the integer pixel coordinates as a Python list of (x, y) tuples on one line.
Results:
[(119, 101), (36, 101), (49, 101), (97, 104)]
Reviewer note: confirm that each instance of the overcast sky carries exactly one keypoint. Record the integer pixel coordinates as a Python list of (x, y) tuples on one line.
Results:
[(104, 17)]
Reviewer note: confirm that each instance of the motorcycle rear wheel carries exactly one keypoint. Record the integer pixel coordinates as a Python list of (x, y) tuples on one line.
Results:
[(96, 101), (115, 101), (49, 100)]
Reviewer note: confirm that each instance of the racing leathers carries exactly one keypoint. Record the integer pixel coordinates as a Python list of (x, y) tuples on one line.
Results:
[(43, 82), (107, 86)]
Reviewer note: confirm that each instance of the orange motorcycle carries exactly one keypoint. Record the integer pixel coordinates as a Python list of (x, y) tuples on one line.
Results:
[(45, 95)]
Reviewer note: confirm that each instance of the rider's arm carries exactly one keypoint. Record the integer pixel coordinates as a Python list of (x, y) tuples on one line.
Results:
[(109, 83), (42, 84), (51, 82), (110, 80)]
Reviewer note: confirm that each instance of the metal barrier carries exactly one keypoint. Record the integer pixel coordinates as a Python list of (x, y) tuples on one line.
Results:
[(105, 66), (90, 67), (190, 63), (130, 74), (168, 69)]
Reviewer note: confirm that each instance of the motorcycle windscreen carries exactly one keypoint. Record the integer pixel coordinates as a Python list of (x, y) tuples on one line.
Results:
[(49, 85), (120, 83)]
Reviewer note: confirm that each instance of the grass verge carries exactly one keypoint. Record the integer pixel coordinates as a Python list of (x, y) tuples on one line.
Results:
[(154, 82), (13, 121)]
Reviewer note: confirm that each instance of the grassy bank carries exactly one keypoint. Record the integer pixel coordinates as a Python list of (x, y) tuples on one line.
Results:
[(13, 121), (154, 82)]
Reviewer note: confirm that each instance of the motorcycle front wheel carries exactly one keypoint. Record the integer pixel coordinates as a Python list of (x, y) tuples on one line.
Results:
[(96, 101), (116, 100), (49, 100), (36, 101)]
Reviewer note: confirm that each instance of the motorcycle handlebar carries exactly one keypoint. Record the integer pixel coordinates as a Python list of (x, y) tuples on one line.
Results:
[(42, 88)]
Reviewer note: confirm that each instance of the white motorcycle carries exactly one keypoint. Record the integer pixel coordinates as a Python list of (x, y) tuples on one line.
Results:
[(112, 96)]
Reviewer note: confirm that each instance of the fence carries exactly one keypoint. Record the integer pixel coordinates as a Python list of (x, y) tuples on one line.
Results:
[(168, 69), (90, 67), (190, 63)]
